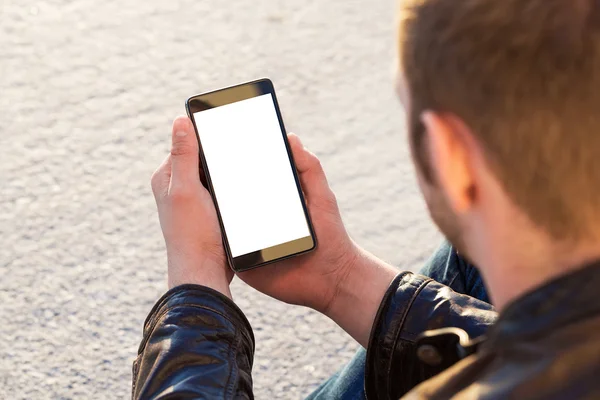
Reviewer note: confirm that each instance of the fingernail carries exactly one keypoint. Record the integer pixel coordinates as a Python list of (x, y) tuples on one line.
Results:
[(181, 133)]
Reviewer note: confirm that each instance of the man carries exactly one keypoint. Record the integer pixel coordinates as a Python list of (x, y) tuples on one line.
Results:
[(502, 99)]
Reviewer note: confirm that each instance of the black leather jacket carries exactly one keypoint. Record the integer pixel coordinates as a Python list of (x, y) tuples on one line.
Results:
[(198, 344)]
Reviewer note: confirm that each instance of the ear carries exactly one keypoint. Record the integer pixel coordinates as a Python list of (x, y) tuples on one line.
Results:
[(450, 158)]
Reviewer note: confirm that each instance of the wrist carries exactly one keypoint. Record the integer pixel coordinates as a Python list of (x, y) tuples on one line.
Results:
[(205, 273), (337, 283), (359, 295)]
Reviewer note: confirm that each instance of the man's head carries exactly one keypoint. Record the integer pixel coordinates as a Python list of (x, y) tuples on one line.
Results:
[(503, 104)]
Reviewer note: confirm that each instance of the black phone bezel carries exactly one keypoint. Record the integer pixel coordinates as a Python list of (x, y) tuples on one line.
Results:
[(232, 94)]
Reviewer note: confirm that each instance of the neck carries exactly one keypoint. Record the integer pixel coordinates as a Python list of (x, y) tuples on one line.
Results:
[(511, 272)]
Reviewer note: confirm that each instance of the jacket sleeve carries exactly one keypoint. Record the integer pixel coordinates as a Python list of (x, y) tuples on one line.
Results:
[(197, 344), (412, 305)]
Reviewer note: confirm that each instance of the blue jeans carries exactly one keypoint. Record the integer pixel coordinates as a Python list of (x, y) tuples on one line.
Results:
[(445, 266)]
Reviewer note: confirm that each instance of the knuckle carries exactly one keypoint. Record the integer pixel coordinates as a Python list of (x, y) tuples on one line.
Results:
[(315, 162), (182, 149), (180, 194), (330, 201)]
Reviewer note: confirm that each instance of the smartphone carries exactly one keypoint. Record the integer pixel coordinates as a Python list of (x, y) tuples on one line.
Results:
[(250, 172)]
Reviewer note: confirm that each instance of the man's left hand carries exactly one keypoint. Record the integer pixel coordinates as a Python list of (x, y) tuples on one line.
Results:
[(188, 217)]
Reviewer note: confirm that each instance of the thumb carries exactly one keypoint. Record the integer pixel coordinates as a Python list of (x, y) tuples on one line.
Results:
[(184, 154), (312, 176)]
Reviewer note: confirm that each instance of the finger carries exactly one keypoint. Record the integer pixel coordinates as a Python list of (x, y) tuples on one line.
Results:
[(161, 179), (312, 177), (184, 154)]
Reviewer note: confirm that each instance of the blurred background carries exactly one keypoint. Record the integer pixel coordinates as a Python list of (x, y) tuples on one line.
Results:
[(88, 91)]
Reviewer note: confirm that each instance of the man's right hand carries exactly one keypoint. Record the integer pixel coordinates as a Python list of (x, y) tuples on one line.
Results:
[(312, 279), (338, 278)]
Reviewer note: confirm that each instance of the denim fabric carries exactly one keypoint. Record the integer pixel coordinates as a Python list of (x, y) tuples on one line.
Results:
[(445, 266), (346, 384), (448, 268)]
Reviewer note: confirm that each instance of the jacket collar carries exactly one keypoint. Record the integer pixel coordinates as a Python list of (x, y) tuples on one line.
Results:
[(560, 302)]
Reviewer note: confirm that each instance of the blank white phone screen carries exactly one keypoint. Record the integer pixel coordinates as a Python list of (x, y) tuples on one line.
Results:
[(251, 175)]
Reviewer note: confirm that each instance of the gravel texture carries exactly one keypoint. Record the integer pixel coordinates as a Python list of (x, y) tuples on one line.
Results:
[(88, 90)]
